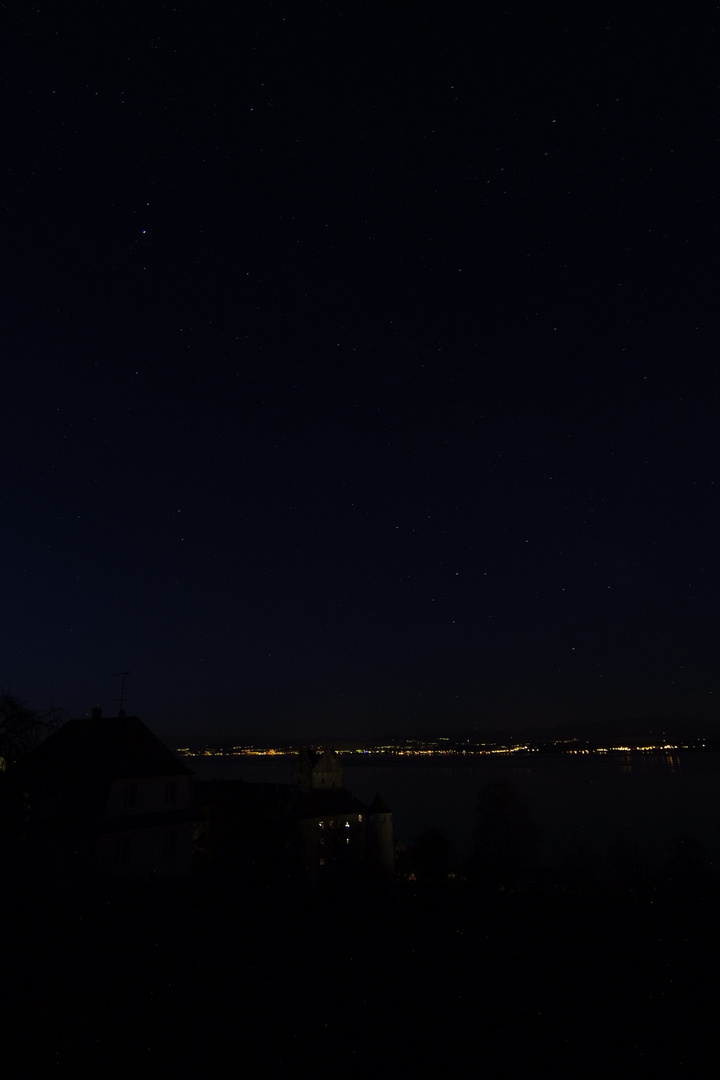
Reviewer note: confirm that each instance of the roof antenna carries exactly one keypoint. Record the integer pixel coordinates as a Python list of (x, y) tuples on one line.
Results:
[(122, 675)]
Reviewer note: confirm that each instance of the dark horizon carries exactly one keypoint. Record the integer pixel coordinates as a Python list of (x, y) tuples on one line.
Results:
[(361, 369), (212, 733), (638, 729)]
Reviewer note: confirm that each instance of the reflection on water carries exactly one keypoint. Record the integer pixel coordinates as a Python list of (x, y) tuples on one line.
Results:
[(627, 763), (648, 797)]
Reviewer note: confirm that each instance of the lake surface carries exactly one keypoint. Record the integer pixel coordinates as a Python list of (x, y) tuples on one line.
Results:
[(647, 797)]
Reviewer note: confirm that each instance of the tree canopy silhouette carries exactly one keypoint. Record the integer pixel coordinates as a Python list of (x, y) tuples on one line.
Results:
[(22, 728), (506, 838), (433, 855)]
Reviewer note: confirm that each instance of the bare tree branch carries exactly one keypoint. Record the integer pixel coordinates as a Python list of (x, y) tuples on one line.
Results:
[(22, 728)]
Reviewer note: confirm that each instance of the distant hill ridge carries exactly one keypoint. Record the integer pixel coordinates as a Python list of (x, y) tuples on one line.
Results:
[(650, 729)]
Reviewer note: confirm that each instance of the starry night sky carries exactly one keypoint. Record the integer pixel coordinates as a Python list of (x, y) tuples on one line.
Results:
[(360, 363)]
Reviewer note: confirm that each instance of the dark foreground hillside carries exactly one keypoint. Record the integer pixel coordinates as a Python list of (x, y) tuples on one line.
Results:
[(207, 978)]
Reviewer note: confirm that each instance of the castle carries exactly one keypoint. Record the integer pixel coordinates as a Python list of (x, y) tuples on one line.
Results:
[(336, 833), (314, 827), (103, 796)]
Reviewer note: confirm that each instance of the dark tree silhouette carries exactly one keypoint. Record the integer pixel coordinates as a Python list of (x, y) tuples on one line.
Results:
[(626, 867), (684, 869), (433, 854), (506, 839), (22, 728)]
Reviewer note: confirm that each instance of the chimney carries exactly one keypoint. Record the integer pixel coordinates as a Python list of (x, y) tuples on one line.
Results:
[(96, 714)]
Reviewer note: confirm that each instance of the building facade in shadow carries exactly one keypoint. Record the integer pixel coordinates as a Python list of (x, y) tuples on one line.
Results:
[(102, 796)]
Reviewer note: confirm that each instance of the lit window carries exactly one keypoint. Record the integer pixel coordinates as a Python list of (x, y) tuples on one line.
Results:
[(359, 817), (321, 824), (347, 824)]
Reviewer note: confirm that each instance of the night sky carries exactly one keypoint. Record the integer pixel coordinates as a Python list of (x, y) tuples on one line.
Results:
[(360, 363)]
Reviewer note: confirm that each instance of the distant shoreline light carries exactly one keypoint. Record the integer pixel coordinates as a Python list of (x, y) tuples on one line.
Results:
[(445, 752)]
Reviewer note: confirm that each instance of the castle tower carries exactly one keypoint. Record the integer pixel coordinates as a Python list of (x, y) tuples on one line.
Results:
[(381, 842), (312, 771)]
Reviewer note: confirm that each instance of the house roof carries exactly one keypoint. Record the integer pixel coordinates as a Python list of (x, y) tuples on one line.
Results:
[(379, 806), (71, 772), (166, 819), (111, 747), (253, 800), (324, 802)]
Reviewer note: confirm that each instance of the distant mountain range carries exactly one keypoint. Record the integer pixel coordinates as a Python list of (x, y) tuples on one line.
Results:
[(635, 730), (652, 729)]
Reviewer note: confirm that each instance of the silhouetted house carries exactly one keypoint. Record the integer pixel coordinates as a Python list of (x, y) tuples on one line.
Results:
[(103, 796)]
